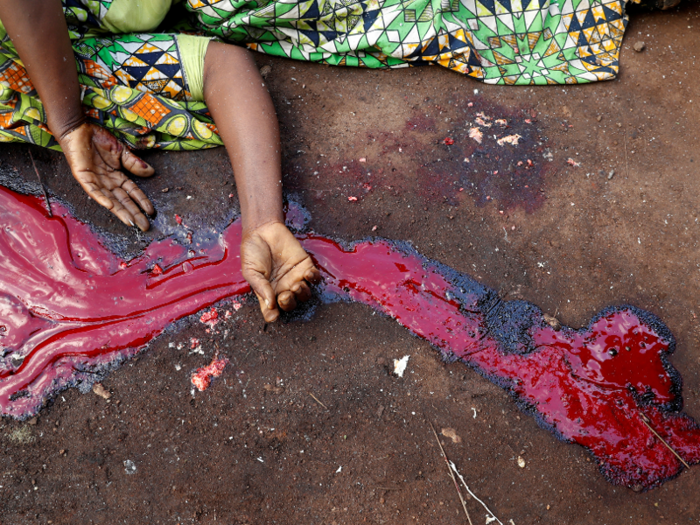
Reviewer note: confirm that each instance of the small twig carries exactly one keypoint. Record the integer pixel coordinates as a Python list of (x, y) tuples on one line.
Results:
[(41, 183), (627, 164), (645, 420), (454, 467), (387, 488), (317, 400), (449, 469)]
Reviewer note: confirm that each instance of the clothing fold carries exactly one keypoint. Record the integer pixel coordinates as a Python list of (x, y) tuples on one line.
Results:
[(146, 86)]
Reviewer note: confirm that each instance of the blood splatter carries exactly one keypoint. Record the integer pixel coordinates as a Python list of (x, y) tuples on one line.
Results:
[(68, 307), (202, 377), (210, 318)]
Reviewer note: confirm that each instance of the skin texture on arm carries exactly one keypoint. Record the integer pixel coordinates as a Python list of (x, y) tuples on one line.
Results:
[(39, 32), (273, 262)]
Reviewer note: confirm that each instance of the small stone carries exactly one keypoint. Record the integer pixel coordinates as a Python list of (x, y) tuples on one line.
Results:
[(101, 391), (639, 46), (274, 389), (552, 321), (129, 467), (611, 174), (452, 434), (265, 70), (521, 464), (61, 452), (33, 421), (599, 118), (165, 190)]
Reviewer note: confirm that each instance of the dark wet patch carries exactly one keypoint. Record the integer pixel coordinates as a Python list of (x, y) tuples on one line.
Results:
[(468, 146)]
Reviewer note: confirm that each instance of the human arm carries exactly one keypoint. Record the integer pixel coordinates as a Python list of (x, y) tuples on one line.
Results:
[(38, 31), (273, 262)]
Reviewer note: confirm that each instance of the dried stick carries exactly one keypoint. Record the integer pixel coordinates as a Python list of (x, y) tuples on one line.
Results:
[(317, 400), (645, 420), (41, 183), (452, 465), (449, 469)]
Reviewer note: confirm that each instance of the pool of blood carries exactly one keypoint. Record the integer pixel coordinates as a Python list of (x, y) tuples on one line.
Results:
[(70, 307)]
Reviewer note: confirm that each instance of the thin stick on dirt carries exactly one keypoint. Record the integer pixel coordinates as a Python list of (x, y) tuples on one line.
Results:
[(317, 400), (627, 163), (454, 467), (449, 469), (41, 183), (645, 420)]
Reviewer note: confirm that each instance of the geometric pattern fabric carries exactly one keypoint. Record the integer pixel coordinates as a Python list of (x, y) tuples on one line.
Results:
[(496, 41), (134, 84)]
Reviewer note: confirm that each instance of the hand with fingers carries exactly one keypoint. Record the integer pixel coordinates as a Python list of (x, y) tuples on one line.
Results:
[(277, 268), (97, 160)]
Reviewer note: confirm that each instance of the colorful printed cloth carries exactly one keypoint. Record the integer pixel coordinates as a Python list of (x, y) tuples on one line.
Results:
[(136, 86), (496, 41)]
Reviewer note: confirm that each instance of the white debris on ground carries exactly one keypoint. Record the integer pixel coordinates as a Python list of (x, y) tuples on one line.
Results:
[(400, 365), (476, 134), (129, 467), (101, 391), (509, 139)]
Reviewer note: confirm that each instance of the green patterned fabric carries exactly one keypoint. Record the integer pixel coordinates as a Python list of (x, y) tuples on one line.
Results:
[(136, 86), (496, 41)]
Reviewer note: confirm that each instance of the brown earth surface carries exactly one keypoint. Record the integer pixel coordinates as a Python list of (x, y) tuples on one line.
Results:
[(307, 425)]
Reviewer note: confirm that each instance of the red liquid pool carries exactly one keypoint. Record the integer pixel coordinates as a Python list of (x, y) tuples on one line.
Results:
[(68, 307)]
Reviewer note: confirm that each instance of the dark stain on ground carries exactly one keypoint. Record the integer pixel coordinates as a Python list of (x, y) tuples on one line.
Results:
[(467, 157)]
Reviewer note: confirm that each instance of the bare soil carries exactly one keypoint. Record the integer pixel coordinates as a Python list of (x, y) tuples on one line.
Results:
[(307, 425)]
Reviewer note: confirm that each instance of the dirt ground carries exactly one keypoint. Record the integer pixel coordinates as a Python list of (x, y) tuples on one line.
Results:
[(307, 425)]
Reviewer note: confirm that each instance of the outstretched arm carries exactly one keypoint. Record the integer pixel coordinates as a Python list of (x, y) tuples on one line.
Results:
[(38, 30), (274, 263)]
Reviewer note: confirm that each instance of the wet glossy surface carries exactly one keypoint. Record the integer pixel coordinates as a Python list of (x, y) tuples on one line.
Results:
[(69, 306)]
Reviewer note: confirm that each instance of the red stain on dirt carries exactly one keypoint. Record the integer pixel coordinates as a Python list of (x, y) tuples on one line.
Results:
[(203, 376), (69, 307), (434, 160)]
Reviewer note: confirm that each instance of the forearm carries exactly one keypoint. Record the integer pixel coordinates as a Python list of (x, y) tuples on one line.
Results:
[(39, 32), (246, 120)]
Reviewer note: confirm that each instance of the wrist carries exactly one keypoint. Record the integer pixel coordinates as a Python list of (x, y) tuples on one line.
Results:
[(261, 218), (64, 126), (262, 227)]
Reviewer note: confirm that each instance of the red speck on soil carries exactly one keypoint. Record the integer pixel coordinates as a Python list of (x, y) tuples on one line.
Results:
[(211, 317), (203, 376), (420, 122)]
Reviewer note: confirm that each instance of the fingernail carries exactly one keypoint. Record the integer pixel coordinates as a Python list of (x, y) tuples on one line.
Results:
[(132, 223), (267, 303)]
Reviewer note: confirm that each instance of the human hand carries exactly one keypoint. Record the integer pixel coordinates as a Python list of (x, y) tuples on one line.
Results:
[(277, 268), (96, 159)]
